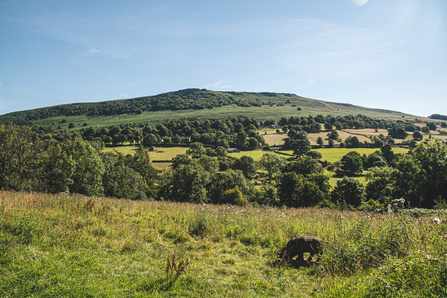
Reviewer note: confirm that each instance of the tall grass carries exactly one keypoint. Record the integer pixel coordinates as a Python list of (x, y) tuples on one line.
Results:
[(71, 245)]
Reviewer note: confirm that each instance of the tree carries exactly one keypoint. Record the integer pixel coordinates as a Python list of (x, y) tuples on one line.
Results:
[(222, 143), (351, 164), (221, 151), (20, 152), (196, 150), (374, 160), (397, 132), (352, 142), (87, 175), (300, 146), (304, 165), (388, 154), (289, 187), (150, 140), (379, 185), (320, 141), (431, 125), (327, 126), (186, 183), (181, 160), (176, 139), (224, 181), (314, 154), (253, 143), (209, 164), (140, 163), (425, 129), (296, 191), (58, 167), (120, 180), (421, 175), (417, 136), (348, 191), (246, 164), (272, 163), (241, 140), (333, 135)]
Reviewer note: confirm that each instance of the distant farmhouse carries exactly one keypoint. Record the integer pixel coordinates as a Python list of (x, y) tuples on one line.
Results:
[(233, 150)]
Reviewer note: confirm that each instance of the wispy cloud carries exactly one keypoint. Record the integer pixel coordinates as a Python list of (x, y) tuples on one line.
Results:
[(311, 47), (93, 51), (218, 85), (328, 50), (213, 85), (113, 54), (310, 81)]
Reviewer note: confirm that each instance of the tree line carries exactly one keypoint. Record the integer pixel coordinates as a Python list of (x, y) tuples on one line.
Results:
[(30, 163)]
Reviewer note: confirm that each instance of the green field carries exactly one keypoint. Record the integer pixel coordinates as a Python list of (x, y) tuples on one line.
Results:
[(255, 154), (335, 154), (76, 246)]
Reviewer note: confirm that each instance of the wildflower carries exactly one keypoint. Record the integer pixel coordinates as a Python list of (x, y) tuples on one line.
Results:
[(436, 221)]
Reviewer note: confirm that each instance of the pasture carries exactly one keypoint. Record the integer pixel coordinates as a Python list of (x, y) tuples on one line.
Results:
[(160, 153), (76, 246), (335, 154)]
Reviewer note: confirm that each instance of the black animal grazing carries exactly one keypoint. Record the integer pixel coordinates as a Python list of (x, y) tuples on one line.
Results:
[(300, 245)]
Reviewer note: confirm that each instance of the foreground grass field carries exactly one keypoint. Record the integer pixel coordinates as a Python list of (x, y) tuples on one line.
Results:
[(75, 246)]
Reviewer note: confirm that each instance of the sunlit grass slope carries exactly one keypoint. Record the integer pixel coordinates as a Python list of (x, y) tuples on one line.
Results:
[(75, 246)]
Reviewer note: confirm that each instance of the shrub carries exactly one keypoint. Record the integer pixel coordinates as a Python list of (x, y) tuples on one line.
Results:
[(234, 196)]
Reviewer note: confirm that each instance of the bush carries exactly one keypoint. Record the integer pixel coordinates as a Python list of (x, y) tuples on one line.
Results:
[(235, 197)]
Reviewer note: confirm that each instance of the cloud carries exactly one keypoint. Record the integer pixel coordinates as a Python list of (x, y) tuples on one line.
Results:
[(112, 54), (1, 83), (123, 95), (213, 85), (93, 51), (328, 50), (217, 85), (310, 81)]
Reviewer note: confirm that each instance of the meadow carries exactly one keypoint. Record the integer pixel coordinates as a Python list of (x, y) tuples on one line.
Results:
[(335, 154), (76, 246), (265, 112)]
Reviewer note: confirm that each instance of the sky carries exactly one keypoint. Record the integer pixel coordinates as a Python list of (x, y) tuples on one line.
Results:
[(388, 54)]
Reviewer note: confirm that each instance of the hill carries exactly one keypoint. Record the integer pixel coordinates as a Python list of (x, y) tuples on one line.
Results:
[(189, 103)]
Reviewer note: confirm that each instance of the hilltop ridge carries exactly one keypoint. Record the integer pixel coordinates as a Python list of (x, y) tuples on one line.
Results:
[(192, 103)]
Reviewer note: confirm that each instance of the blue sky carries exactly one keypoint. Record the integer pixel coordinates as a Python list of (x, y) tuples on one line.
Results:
[(389, 54)]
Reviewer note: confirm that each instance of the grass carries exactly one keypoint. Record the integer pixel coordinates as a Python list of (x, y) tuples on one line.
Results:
[(333, 180), (273, 138), (161, 153), (309, 107), (76, 246), (335, 154), (255, 154)]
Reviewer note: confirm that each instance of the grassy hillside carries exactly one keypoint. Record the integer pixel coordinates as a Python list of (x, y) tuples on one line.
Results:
[(187, 104), (75, 246)]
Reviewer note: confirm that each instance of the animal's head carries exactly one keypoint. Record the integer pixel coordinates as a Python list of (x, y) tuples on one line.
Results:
[(282, 253)]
